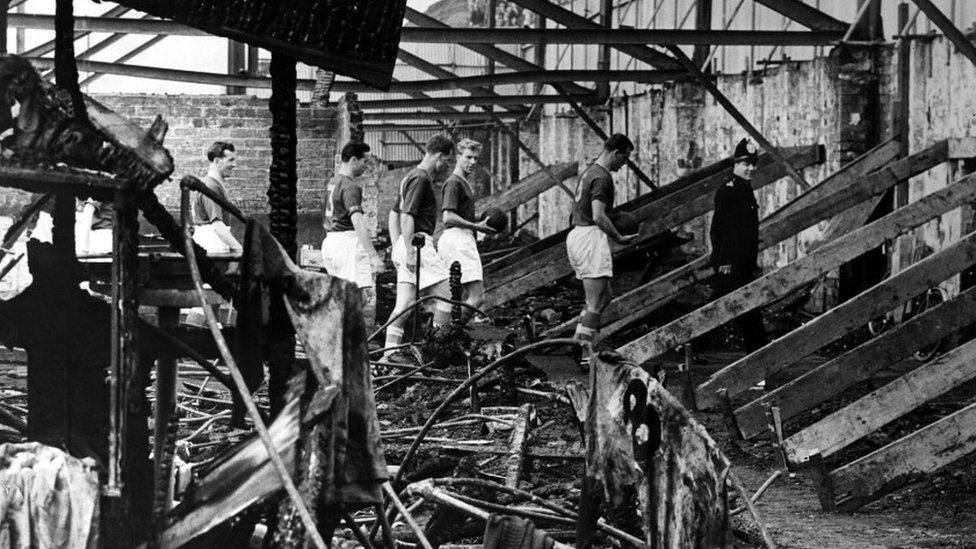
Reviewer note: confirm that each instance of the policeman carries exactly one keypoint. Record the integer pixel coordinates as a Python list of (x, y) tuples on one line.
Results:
[(735, 239)]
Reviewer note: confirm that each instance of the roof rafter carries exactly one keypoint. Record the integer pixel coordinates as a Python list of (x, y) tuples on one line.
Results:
[(432, 35)]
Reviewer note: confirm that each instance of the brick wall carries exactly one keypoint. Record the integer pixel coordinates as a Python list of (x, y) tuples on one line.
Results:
[(195, 121)]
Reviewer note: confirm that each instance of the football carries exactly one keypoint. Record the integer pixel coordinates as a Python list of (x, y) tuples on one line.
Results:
[(625, 222), (496, 219)]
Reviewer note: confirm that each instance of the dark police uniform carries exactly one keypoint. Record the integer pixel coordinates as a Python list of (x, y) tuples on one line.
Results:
[(735, 242)]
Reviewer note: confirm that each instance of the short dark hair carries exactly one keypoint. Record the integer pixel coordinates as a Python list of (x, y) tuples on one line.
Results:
[(440, 144), (619, 142), (218, 148), (353, 150)]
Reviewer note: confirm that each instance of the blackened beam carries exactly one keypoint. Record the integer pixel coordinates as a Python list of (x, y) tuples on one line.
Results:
[(948, 28), (499, 55), (427, 35), (730, 108), (571, 20), (470, 100), (804, 14)]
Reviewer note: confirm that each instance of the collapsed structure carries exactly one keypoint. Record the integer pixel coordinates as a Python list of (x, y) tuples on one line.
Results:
[(324, 457)]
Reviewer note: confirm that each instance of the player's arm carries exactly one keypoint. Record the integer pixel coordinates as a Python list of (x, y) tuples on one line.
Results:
[(453, 219), (602, 220)]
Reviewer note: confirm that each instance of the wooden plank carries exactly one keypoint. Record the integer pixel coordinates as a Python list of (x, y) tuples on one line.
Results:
[(831, 378), (857, 215), (641, 301), (778, 283), (873, 411), (840, 320), (906, 460), (673, 209), (527, 188), (848, 175)]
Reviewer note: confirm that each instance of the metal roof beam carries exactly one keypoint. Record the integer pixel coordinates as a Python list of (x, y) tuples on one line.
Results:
[(429, 35), (804, 14)]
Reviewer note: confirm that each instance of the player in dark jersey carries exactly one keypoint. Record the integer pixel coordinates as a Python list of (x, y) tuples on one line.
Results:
[(347, 251), (588, 243), (211, 223), (415, 213), (457, 242)]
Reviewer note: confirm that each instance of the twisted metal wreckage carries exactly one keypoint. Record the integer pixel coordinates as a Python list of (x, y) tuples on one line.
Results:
[(650, 468)]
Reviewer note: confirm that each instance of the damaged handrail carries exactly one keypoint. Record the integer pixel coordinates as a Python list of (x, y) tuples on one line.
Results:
[(252, 410)]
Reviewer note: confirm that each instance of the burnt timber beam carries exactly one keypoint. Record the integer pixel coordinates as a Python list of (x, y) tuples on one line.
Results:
[(731, 109), (835, 376), (899, 397), (573, 21), (499, 55), (948, 28), (780, 282), (804, 14), (802, 212), (853, 314), (527, 188), (551, 264), (905, 460), (617, 36)]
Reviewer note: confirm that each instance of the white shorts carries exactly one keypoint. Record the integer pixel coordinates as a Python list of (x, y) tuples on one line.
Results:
[(457, 244), (589, 254), (216, 238), (344, 256), (432, 267)]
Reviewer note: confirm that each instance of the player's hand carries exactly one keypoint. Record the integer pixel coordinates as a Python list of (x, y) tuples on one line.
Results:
[(483, 227), (627, 238), (725, 269), (379, 265), (411, 261)]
